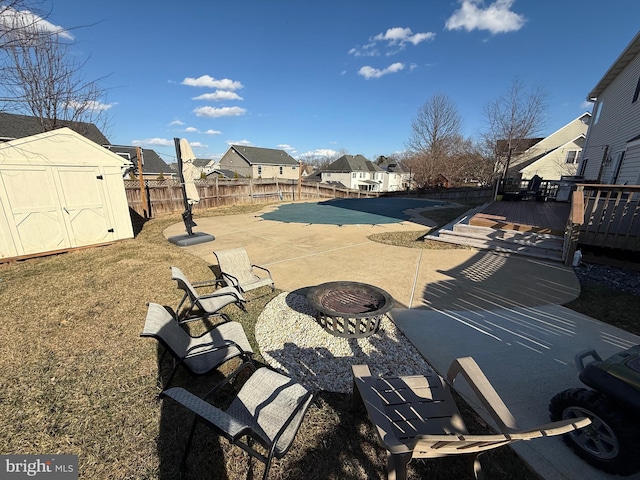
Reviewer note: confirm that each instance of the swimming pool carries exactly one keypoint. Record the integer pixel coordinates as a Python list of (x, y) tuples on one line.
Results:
[(350, 211)]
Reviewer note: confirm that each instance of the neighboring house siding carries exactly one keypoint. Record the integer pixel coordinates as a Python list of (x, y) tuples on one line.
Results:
[(630, 169), (544, 155), (275, 171), (617, 122), (234, 162), (554, 165)]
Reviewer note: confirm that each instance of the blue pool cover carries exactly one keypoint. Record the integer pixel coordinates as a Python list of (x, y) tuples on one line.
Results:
[(350, 211)]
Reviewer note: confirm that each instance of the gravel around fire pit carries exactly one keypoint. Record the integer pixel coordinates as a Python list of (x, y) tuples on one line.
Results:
[(291, 341)]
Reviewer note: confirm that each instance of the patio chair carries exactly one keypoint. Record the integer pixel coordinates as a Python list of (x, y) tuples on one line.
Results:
[(416, 416), (268, 409), (209, 304), (198, 355), (237, 270)]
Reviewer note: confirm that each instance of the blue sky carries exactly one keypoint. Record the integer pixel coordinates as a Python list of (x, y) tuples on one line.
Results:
[(315, 78)]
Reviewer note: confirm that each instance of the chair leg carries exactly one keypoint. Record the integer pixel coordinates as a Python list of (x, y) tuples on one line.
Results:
[(183, 462), (397, 465)]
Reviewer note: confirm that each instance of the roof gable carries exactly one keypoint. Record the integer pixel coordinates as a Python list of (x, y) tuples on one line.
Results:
[(13, 126), (264, 156)]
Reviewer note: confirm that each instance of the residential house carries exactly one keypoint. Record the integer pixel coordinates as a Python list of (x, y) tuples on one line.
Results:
[(152, 165), (14, 126), (394, 178), (556, 155), (611, 153), (255, 162), (354, 172)]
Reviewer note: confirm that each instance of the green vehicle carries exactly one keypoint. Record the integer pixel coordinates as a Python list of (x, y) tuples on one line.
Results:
[(612, 442)]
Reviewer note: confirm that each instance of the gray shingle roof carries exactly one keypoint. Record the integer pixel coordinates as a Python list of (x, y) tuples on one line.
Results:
[(152, 161), (352, 163), (14, 126), (264, 156)]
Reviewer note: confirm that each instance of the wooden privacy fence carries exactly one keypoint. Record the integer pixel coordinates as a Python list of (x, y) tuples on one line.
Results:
[(165, 196)]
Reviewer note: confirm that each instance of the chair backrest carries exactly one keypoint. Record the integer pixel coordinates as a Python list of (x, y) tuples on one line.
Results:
[(183, 282), (161, 325), (271, 417), (235, 262)]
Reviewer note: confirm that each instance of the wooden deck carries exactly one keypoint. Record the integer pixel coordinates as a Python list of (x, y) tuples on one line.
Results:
[(524, 216)]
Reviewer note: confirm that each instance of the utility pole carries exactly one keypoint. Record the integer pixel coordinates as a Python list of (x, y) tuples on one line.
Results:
[(143, 192), (299, 180)]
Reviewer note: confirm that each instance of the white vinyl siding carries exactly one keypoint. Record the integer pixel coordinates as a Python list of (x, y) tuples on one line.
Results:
[(619, 122)]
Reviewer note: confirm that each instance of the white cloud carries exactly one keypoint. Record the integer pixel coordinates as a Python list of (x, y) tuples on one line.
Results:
[(214, 112), (92, 105), (219, 96), (191, 129), (496, 18), (396, 37), (586, 105), (176, 122), (210, 82), (370, 72), (319, 153), (212, 132), (198, 145), (11, 19), (400, 36), (164, 142), (239, 142)]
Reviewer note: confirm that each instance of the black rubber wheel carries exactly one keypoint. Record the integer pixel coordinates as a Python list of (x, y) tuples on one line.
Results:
[(612, 442)]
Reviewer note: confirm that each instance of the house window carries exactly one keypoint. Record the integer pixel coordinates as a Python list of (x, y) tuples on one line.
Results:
[(572, 156), (353, 175), (259, 170), (596, 117), (281, 170), (636, 93)]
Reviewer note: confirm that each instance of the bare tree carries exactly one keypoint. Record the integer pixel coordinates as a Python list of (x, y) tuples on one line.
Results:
[(434, 134), (18, 19), (40, 77), (513, 119)]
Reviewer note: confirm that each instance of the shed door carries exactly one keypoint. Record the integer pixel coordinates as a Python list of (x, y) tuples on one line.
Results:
[(83, 205), (32, 210)]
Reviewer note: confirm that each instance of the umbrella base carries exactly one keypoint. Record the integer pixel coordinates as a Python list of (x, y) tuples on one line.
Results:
[(194, 239)]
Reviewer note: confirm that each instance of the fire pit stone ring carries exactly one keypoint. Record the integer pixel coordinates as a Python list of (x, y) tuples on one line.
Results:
[(349, 309)]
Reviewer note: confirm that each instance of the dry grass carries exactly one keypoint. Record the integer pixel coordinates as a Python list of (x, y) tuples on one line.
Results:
[(77, 379)]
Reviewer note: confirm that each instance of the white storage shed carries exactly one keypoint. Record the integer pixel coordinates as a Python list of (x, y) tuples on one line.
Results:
[(58, 191)]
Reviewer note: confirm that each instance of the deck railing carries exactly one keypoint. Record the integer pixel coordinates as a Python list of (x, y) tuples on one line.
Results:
[(603, 216)]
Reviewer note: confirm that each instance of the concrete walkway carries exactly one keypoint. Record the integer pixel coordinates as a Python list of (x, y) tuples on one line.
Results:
[(503, 311)]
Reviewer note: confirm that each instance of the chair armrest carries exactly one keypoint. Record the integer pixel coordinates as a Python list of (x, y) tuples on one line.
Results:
[(469, 369), (236, 294), (214, 347), (205, 283), (263, 269), (230, 377), (222, 422)]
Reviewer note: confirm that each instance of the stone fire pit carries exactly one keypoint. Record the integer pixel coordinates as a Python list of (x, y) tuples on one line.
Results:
[(349, 309)]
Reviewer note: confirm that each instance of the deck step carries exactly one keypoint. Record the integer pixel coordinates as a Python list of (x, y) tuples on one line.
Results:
[(531, 244)]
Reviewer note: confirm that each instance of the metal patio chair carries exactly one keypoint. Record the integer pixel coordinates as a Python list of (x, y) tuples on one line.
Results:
[(208, 304), (268, 410), (238, 271), (198, 355)]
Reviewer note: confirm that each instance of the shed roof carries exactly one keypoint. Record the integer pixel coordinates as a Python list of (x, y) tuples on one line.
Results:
[(264, 156), (58, 147), (13, 126), (628, 54)]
